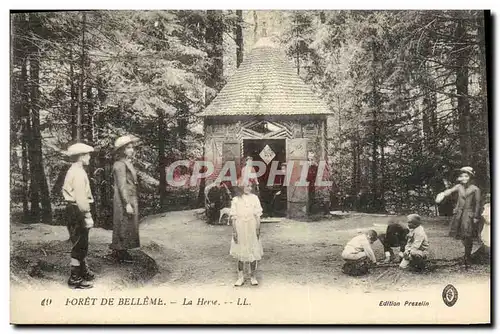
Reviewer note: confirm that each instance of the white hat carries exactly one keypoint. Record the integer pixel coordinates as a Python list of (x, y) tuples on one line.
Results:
[(78, 148), (468, 170), (124, 140)]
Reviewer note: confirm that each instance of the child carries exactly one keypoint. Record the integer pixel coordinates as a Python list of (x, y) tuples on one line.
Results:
[(125, 200), (482, 254), (78, 196), (395, 236), (249, 174), (467, 212), (358, 254), (485, 233), (416, 248), (217, 197), (245, 244)]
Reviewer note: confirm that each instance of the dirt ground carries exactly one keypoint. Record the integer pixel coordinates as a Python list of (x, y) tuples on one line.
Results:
[(179, 248)]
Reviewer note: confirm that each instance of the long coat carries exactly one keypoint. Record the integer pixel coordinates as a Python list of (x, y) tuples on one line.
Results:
[(125, 226), (467, 209)]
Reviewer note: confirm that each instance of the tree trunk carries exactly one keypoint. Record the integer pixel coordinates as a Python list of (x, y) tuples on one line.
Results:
[(34, 189), (90, 140), (354, 170), (162, 159), (37, 142), (22, 110), (104, 176), (484, 94), (426, 126), (357, 155), (375, 130), (182, 126), (25, 114), (79, 114), (381, 204), (431, 132), (374, 148), (37, 170), (358, 164), (74, 97), (322, 16), (255, 26), (15, 107), (214, 38), (429, 118), (239, 38), (25, 173), (463, 107), (90, 117)]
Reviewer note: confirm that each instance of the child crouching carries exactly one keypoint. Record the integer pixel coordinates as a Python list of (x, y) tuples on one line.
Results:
[(395, 236), (416, 250), (358, 254)]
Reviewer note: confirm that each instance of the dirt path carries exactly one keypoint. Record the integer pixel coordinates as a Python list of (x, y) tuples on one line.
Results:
[(178, 248)]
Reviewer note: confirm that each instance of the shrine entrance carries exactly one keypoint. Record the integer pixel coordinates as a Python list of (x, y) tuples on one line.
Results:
[(273, 198)]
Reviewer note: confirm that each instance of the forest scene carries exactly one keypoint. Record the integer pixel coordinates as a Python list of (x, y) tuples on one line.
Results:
[(389, 108), (407, 91)]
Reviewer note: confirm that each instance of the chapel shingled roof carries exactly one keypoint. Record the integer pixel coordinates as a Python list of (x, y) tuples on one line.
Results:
[(266, 83)]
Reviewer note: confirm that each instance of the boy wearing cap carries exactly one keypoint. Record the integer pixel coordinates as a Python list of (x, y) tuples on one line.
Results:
[(416, 248), (78, 196), (467, 212)]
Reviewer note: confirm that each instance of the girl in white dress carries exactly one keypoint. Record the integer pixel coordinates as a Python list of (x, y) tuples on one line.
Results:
[(245, 245), (485, 233)]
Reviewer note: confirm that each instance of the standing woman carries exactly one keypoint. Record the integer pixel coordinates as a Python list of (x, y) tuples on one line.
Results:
[(467, 212), (125, 204)]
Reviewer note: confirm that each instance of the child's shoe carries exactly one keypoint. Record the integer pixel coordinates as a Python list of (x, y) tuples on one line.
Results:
[(387, 258), (404, 264), (240, 280)]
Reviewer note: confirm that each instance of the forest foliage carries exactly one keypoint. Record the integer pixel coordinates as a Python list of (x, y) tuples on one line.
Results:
[(409, 93)]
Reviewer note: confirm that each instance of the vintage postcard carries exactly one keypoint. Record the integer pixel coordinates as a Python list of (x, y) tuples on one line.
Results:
[(250, 167)]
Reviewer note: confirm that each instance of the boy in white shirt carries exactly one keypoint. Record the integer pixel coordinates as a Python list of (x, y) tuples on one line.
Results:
[(78, 196), (417, 245), (359, 255)]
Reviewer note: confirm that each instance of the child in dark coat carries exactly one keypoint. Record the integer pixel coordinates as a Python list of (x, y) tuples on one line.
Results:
[(467, 212), (395, 236)]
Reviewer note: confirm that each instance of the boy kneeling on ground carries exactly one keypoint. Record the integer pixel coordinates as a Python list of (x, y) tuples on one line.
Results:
[(358, 254), (395, 236), (415, 254)]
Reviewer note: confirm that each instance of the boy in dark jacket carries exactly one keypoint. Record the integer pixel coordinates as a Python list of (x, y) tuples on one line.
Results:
[(395, 236)]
